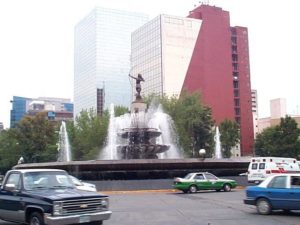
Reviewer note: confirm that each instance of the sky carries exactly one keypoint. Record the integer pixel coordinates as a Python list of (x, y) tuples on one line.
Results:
[(37, 45)]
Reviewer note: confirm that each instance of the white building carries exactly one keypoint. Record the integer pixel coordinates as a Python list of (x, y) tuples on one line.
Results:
[(278, 108), (102, 59), (161, 52)]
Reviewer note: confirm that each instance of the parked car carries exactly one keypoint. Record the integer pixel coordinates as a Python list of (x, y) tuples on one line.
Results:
[(280, 191), (83, 185), (193, 182)]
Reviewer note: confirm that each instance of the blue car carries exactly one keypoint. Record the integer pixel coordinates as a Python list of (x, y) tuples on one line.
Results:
[(280, 191)]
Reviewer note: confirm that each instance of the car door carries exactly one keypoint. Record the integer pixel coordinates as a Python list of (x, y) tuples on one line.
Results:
[(293, 194), (213, 181), (201, 182), (277, 192), (11, 207)]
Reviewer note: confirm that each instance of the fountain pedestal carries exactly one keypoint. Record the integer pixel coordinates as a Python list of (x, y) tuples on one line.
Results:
[(141, 138)]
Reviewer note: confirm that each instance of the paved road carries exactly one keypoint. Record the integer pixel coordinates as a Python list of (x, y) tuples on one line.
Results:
[(203, 208), (175, 208)]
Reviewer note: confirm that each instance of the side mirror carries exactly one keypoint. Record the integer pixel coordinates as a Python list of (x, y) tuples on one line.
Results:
[(10, 187)]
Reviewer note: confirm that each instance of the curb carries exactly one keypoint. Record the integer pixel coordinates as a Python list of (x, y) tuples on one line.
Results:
[(152, 191)]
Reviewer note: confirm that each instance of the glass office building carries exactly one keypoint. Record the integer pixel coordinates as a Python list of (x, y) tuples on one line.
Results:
[(102, 59), (161, 52)]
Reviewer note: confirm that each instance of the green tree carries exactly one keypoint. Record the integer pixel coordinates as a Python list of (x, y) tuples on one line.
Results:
[(88, 135), (193, 121), (9, 150), (36, 138), (281, 140), (230, 136)]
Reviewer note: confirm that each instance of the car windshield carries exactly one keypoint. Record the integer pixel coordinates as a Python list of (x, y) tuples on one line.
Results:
[(47, 180), (76, 181)]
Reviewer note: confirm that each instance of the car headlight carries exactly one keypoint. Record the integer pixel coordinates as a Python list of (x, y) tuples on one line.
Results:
[(105, 203), (57, 208)]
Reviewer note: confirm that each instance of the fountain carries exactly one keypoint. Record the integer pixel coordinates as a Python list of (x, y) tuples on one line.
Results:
[(141, 145), (218, 152), (145, 133), (64, 150)]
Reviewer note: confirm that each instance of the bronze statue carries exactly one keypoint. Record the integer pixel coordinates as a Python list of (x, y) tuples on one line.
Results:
[(138, 86)]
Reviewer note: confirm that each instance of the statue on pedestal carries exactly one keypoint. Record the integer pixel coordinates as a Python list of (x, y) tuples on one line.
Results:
[(138, 86)]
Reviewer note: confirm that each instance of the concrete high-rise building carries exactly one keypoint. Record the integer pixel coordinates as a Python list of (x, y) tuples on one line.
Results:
[(278, 108), (102, 59), (201, 53)]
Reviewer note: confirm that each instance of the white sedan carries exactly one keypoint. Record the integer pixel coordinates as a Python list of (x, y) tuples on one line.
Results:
[(83, 185)]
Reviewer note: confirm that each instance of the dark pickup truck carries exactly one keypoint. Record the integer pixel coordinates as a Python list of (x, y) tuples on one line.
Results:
[(48, 196)]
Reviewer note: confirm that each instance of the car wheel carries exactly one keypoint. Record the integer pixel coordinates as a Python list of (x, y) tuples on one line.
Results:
[(193, 189), (227, 187), (263, 206), (36, 219)]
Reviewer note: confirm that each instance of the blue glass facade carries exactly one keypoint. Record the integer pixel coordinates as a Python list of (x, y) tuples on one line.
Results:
[(18, 110)]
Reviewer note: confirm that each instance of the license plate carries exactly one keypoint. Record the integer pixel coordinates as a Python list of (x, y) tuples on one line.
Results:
[(84, 219)]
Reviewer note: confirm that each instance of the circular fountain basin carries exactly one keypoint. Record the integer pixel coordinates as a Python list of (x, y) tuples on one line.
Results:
[(141, 151), (134, 131)]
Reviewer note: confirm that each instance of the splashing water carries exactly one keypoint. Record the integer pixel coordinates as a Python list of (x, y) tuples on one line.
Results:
[(218, 153), (154, 118), (64, 149)]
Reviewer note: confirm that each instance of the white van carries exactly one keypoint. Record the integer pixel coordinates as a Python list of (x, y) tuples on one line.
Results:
[(262, 167)]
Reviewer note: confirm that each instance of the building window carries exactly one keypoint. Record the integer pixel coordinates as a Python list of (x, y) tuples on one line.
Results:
[(236, 102), (235, 84), (234, 57), (238, 120), (233, 31), (235, 74), (234, 48), (233, 40), (236, 93), (235, 66), (237, 111)]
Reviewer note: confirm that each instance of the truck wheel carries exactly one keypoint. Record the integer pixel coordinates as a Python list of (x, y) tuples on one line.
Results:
[(263, 206), (36, 219)]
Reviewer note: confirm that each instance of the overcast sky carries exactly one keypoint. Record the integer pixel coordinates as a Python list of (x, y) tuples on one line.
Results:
[(37, 39)]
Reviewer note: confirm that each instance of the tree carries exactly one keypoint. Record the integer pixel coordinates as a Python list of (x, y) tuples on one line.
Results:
[(36, 139), (281, 140), (193, 121), (230, 136), (88, 134), (9, 150)]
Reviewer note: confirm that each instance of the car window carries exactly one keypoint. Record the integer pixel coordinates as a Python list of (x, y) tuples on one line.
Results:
[(295, 182), (211, 176), (254, 166), (262, 166), (199, 177), (278, 182), (15, 179)]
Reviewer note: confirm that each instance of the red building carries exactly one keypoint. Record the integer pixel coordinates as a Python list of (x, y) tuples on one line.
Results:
[(219, 69)]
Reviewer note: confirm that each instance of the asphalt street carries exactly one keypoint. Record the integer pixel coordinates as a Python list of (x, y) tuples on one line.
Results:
[(202, 208), (167, 207)]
